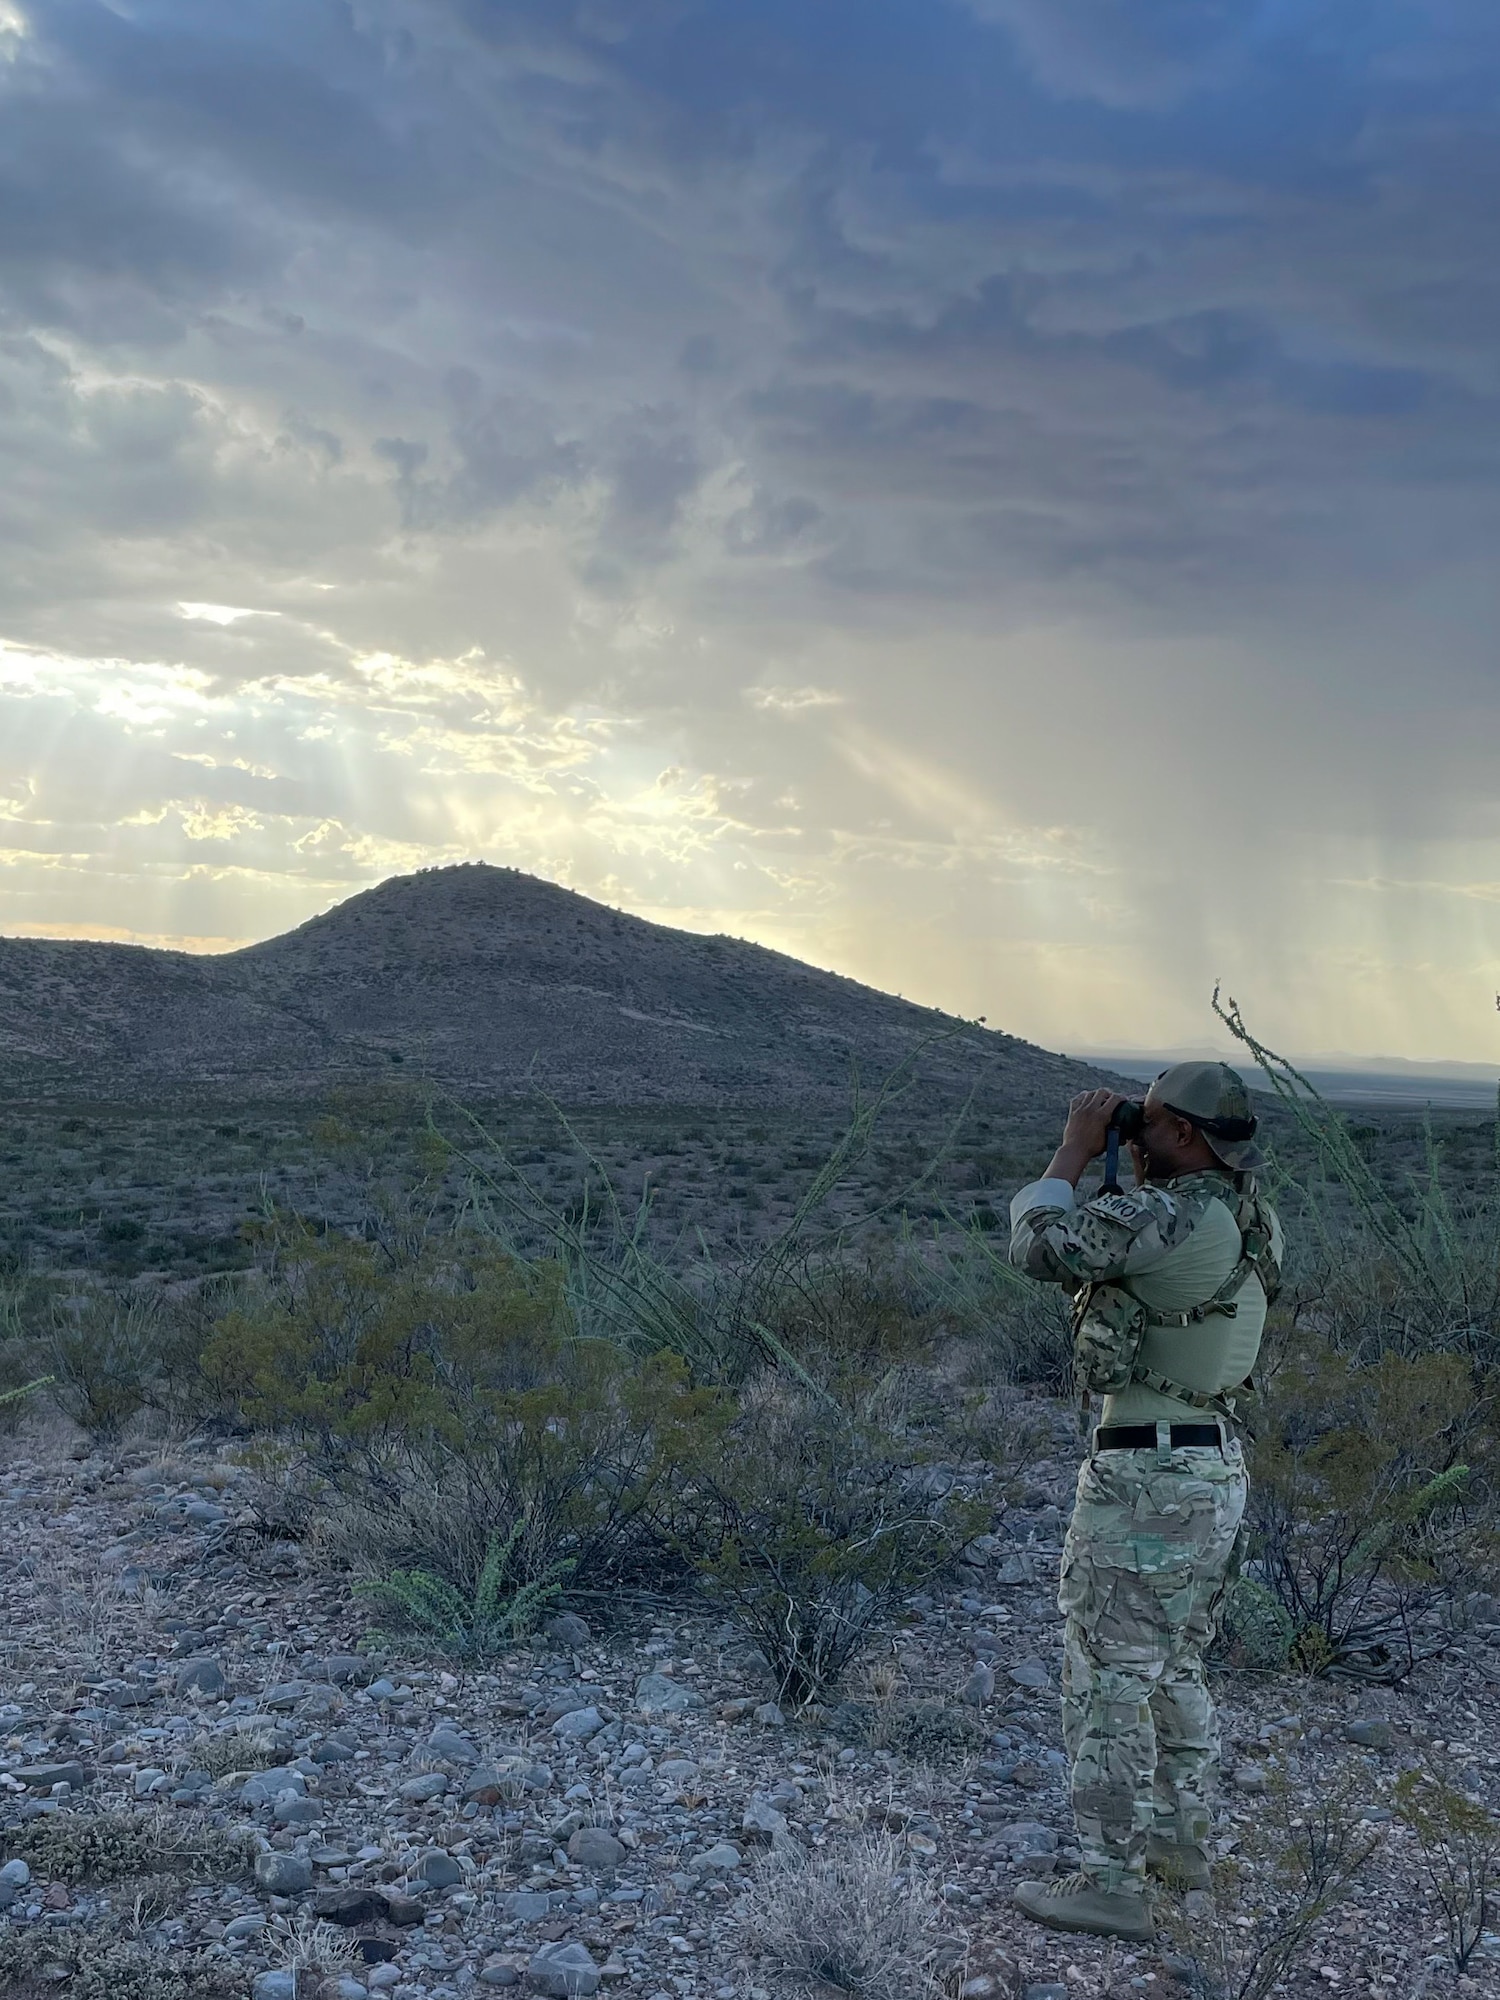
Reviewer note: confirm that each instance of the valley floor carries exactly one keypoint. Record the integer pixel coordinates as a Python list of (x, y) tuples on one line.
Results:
[(596, 1813)]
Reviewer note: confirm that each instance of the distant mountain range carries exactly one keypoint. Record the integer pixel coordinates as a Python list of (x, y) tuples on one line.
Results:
[(1373, 1081), (493, 983)]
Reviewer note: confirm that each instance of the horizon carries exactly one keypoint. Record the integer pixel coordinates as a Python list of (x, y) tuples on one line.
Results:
[(993, 498), (1104, 1055)]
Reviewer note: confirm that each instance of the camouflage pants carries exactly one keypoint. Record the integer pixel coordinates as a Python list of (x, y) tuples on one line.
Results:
[(1143, 1574)]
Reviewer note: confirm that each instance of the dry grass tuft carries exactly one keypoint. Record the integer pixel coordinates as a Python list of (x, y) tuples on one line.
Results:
[(853, 1917)]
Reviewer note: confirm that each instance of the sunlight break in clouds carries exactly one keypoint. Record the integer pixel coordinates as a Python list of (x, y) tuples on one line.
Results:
[(995, 497)]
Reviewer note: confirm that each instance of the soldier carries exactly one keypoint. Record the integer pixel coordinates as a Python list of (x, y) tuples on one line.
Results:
[(1170, 1282)]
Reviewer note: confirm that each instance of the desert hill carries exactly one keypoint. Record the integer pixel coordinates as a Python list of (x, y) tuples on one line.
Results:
[(491, 981)]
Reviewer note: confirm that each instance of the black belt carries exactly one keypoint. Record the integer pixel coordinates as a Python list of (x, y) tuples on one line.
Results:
[(1142, 1437)]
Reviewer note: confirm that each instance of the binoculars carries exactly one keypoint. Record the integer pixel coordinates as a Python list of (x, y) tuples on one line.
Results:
[(1128, 1119)]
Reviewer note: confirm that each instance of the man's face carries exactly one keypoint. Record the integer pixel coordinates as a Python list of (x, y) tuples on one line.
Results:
[(1158, 1149)]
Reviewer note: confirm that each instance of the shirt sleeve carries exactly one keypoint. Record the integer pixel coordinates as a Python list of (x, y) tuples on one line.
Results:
[(1057, 1239)]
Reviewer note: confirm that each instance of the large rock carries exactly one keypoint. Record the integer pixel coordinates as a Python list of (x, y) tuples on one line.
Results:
[(563, 1970), (204, 1677), (659, 1694), (283, 1874), (593, 1847), (578, 1725)]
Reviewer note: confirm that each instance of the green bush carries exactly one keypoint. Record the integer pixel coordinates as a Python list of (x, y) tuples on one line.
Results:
[(811, 1525), (1364, 1512), (87, 1964), (117, 1846), (440, 1399), (1459, 1841), (503, 1607)]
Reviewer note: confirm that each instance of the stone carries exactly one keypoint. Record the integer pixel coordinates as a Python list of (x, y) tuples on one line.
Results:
[(383, 1978), (488, 1784), (42, 1777), (1028, 1836), (1030, 1674), (980, 1686), (498, 1972), (382, 1689), (568, 1630), (451, 1745), (343, 1670), (1045, 1989), (245, 1927), (578, 1725), (349, 1905), (404, 1911), (275, 1986), (14, 1875), (147, 1780), (659, 1694), (563, 1970), (333, 1750), (263, 1788), (1251, 1779), (761, 1820), (430, 1785), (1369, 1735), (720, 1859), (592, 1847), (439, 1870), (283, 1698), (283, 1874), (526, 1906), (375, 1950), (1015, 1570), (293, 1809), (341, 1986), (200, 1677), (769, 1715)]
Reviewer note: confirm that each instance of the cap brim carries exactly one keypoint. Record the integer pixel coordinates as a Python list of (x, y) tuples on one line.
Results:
[(1242, 1155)]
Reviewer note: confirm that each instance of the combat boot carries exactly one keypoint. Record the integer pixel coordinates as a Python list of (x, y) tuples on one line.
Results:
[(1077, 1904), (1181, 1864)]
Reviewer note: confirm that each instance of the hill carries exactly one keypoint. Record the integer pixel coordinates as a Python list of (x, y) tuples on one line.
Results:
[(493, 982)]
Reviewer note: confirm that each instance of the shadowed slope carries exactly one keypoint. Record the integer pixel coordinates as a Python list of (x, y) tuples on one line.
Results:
[(492, 981)]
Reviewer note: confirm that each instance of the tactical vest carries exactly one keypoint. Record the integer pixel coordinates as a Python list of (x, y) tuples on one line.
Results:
[(1109, 1322)]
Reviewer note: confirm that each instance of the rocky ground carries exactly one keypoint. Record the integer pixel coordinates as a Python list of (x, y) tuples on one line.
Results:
[(601, 1811)]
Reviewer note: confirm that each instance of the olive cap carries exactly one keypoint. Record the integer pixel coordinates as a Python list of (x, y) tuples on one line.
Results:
[(1214, 1097)]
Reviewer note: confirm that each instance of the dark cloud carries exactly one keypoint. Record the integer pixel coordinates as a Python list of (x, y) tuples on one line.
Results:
[(842, 407)]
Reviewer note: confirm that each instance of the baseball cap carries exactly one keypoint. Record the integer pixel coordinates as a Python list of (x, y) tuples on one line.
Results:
[(1214, 1097)]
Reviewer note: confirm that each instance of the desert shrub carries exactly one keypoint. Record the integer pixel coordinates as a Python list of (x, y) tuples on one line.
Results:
[(119, 1350), (440, 1399), (114, 1846), (853, 1916), (1459, 1840), (810, 1526), (83, 1964), (1363, 1516), (1269, 1903)]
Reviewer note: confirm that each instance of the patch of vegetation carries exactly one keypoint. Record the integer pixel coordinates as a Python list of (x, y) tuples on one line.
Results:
[(115, 1846), (86, 1965), (504, 1606)]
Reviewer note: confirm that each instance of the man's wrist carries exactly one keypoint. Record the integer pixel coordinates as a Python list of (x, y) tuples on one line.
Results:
[(1069, 1163)]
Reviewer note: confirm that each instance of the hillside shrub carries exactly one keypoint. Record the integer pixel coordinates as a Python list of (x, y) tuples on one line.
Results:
[(1366, 1515), (1459, 1841), (811, 1525), (441, 1399)]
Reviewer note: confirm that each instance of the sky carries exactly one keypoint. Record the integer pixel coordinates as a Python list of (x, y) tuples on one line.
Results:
[(996, 497)]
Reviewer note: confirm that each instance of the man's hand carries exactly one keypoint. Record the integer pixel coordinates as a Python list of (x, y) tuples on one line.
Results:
[(1084, 1134), (1088, 1120)]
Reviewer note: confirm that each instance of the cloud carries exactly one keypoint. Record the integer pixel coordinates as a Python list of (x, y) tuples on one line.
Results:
[(969, 444)]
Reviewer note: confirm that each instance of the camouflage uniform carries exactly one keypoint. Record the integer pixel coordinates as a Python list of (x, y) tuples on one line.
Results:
[(1148, 1551)]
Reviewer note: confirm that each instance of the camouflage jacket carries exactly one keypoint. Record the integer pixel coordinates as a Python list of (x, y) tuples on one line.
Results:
[(1141, 1265), (1112, 1237)]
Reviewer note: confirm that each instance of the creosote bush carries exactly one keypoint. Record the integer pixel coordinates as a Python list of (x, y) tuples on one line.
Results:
[(1459, 1839), (812, 1524), (439, 1399), (1364, 1514)]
